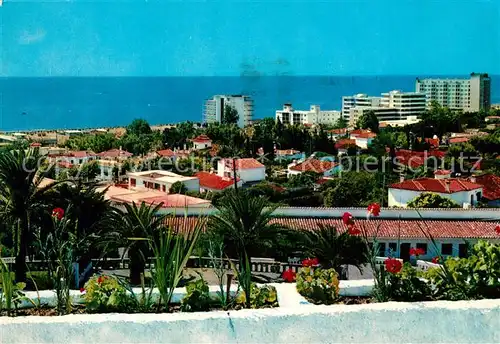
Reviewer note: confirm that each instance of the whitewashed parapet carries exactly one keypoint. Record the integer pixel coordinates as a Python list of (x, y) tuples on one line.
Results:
[(393, 322), (424, 265)]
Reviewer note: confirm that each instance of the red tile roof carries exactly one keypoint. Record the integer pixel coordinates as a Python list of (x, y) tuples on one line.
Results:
[(314, 165), (202, 138), (243, 164), (358, 132), (458, 139), (491, 186), (436, 185), (175, 200), (338, 131), (213, 181), (65, 164), (434, 143), (383, 229), (166, 153), (416, 159), (79, 154), (366, 135), (36, 144), (114, 153), (344, 143)]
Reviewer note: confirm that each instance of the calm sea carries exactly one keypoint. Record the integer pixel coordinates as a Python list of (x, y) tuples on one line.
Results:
[(48, 103)]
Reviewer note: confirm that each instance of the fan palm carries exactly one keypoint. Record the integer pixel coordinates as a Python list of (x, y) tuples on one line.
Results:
[(132, 229), (22, 198), (334, 249)]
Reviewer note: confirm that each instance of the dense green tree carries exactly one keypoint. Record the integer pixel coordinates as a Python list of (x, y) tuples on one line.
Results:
[(341, 123), (463, 149), (354, 189), (96, 143), (438, 120), (139, 127), (368, 120), (178, 188), (432, 200), (305, 179), (230, 115)]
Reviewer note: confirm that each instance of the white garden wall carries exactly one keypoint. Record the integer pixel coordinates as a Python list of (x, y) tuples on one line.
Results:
[(463, 321)]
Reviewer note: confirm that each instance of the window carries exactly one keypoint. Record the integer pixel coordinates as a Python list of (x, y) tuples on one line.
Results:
[(393, 248), (423, 247), (163, 188), (446, 249), (132, 181), (381, 249), (157, 186), (462, 250)]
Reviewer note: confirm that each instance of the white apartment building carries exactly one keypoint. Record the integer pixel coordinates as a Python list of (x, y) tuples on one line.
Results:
[(160, 180), (469, 95), (360, 99), (214, 108), (313, 116), (391, 106)]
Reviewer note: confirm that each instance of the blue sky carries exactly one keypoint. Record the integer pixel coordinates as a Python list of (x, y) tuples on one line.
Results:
[(264, 37)]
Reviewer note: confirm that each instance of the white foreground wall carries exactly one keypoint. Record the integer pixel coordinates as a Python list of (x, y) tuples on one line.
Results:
[(428, 322)]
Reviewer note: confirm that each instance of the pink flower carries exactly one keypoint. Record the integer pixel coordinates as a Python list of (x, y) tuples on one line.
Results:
[(374, 209), (289, 275), (58, 213), (393, 265)]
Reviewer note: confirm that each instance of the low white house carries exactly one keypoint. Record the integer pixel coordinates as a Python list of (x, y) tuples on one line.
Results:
[(463, 192), (160, 180), (363, 138), (78, 157), (202, 142), (247, 169)]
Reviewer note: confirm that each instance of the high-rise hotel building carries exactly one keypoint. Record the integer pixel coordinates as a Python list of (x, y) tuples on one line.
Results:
[(214, 108), (469, 95)]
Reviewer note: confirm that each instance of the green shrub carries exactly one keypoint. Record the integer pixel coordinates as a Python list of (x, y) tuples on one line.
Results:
[(260, 297), (320, 286), (407, 286), (197, 297), (474, 277), (105, 294)]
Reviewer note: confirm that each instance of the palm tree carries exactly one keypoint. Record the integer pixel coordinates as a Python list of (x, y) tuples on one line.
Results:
[(132, 229), (22, 197), (245, 223), (332, 248)]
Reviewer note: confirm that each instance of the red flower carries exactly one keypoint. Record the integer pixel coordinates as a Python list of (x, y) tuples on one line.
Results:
[(393, 265), (82, 290), (348, 219), (497, 229), (310, 262), (435, 260), (374, 209), (416, 252), (353, 230), (289, 275), (58, 213), (100, 279)]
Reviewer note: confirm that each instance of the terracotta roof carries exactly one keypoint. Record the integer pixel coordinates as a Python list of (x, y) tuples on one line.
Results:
[(436, 185), (385, 229), (366, 135), (79, 154), (458, 139), (491, 186), (175, 200), (243, 164), (202, 138), (36, 144), (338, 131), (314, 165), (213, 181), (432, 142), (64, 164), (442, 172), (340, 144), (166, 153), (416, 159), (359, 132), (114, 153)]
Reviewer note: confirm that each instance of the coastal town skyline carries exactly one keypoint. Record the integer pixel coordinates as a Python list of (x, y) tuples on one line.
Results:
[(171, 38)]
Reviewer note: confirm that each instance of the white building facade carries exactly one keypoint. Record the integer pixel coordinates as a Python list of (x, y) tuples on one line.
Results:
[(247, 169), (288, 115), (358, 100), (160, 180), (469, 95), (214, 108)]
